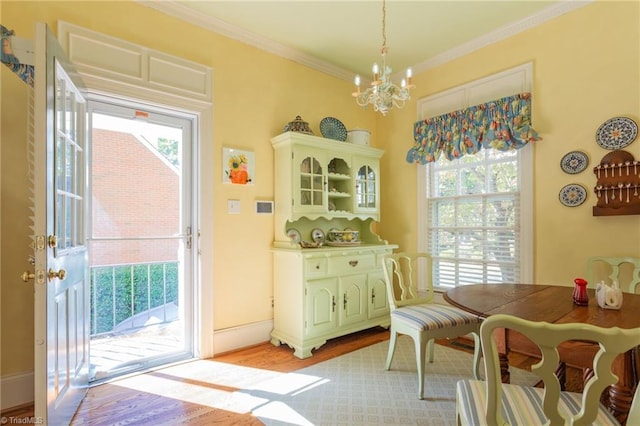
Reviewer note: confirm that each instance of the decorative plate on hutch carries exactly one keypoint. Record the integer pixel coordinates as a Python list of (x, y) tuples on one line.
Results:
[(573, 195), (294, 235), (616, 133), (332, 128), (317, 235), (574, 162)]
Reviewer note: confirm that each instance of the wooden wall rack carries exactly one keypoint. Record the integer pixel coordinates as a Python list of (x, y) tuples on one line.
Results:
[(618, 185)]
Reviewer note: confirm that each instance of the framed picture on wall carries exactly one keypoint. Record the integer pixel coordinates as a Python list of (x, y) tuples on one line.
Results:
[(238, 166)]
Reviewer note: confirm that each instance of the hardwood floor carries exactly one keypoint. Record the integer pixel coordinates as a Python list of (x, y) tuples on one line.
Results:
[(112, 403)]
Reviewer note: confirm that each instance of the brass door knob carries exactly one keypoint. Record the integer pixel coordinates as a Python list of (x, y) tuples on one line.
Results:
[(61, 274), (27, 276)]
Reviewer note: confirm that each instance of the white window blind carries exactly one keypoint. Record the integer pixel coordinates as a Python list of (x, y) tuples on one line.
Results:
[(473, 213)]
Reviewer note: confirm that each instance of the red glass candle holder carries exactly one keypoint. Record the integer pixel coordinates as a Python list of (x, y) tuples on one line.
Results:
[(580, 295)]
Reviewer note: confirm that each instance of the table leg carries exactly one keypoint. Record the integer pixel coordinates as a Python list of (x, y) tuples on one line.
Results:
[(504, 368), (618, 397), (501, 337)]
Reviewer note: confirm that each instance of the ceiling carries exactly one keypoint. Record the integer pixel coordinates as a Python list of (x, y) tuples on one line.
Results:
[(343, 38)]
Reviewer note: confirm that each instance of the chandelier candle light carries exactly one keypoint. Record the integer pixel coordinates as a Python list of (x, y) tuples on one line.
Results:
[(383, 93)]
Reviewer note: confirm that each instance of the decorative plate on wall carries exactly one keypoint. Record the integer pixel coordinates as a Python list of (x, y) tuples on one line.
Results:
[(573, 195), (332, 128), (616, 133), (574, 162)]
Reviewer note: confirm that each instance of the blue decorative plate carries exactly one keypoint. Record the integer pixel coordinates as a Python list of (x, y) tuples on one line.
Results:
[(573, 195), (616, 133), (574, 162), (332, 128)]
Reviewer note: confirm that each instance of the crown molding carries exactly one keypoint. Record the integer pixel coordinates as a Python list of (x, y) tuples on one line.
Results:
[(177, 10), (502, 33)]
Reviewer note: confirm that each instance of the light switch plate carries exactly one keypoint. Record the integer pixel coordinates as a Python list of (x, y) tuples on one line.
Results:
[(233, 206)]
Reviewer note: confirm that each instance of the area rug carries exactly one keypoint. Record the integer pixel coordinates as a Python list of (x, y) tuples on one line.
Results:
[(354, 389), (351, 390)]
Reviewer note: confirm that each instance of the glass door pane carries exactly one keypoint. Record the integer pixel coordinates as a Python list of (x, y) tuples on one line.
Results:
[(141, 298)]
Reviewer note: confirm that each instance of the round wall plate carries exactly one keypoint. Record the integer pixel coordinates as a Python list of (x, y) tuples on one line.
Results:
[(616, 133), (573, 195), (574, 162)]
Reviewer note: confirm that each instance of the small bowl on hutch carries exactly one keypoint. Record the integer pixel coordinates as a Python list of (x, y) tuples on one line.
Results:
[(346, 236)]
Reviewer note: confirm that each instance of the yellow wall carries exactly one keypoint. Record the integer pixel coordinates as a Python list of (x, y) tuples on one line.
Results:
[(255, 95), (586, 70)]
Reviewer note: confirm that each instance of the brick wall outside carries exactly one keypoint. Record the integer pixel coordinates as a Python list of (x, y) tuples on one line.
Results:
[(134, 194)]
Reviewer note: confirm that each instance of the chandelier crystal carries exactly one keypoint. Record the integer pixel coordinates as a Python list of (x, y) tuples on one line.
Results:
[(383, 93)]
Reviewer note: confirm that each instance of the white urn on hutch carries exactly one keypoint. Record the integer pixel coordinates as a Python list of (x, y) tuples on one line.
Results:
[(322, 187)]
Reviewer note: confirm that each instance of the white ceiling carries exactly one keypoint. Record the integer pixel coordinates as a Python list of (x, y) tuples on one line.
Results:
[(343, 38)]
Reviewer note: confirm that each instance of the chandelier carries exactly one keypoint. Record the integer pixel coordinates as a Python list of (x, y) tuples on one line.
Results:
[(383, 93)]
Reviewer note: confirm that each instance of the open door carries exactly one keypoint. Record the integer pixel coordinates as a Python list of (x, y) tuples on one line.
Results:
[(60, 275)]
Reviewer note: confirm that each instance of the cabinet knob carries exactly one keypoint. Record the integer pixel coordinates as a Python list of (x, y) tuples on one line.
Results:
[(353, 263)]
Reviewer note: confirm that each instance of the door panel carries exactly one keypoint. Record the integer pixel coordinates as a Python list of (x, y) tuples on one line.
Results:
[(61, 335)]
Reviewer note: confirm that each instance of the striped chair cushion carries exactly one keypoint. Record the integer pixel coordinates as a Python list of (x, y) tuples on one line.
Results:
[(521, 405), (433, 316)]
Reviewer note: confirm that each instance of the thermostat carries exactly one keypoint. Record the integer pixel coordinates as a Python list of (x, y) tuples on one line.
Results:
[(264, 207)]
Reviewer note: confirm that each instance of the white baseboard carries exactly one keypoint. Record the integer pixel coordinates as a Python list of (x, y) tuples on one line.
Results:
[(233, 338), (16, 390)]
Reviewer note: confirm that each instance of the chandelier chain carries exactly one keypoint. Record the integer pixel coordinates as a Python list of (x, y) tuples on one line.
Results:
[(384, 28)]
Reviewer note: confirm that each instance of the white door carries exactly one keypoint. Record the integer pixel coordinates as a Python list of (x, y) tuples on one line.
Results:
[(61, 290)]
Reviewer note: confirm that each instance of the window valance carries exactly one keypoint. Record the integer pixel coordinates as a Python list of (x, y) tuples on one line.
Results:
[(502, 124), (24, 71)]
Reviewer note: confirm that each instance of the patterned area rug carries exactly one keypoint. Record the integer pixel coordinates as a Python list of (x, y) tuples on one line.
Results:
[(350, 390), (354, 389)]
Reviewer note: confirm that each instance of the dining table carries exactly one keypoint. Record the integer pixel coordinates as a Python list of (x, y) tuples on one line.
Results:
[(554, 304)]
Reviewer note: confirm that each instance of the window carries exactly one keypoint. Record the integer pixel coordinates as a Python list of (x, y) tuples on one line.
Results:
[(475, 212), (474, 218)]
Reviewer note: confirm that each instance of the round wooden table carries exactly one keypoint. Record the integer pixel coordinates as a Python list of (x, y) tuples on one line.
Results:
[(554, 304)]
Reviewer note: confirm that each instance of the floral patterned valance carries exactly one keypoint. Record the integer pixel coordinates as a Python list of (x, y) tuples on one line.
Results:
[(502, 124), (24, 71)]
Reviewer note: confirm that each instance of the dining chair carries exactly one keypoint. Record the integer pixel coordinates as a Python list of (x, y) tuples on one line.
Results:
[(414, 312), (492, 402), (623, 270)]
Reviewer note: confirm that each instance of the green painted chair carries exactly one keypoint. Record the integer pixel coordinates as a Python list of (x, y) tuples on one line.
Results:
[(419, 316), (623, 270), (491, 402)]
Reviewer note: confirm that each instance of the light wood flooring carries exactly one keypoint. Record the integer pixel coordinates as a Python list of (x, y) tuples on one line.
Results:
[(109, 403)]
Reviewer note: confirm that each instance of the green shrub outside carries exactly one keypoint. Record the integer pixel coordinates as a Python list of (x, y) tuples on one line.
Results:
[(145, 282)]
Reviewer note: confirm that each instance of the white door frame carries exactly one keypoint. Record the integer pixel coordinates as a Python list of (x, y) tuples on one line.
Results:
[(191, 91)]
